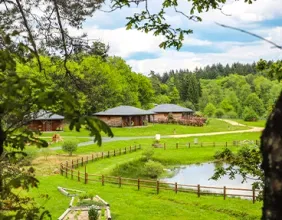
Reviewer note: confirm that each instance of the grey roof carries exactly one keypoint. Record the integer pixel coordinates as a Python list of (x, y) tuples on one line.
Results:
[(46, 115), (124, 110), (167, 108)]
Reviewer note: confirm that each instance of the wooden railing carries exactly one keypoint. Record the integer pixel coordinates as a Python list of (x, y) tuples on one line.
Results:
[(68, 170)]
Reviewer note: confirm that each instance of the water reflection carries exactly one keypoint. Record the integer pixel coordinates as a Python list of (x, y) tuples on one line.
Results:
[(200, 174)]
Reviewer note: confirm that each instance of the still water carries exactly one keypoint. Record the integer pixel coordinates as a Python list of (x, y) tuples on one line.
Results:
[(200, 174)]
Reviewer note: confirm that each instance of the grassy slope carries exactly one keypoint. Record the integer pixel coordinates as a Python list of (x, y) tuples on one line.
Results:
[(259, 123), (214, 125), (128, 203)]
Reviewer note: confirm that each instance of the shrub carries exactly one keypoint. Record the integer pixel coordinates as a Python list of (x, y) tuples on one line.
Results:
[(148, 153), (209, 110), (219, 113), (93, 214), (249, 114), (231, 114), (170, 117), (69, 147), (153, 169)]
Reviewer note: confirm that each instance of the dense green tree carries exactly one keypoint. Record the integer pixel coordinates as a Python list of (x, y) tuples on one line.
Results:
[(255, 103), (209, 110)]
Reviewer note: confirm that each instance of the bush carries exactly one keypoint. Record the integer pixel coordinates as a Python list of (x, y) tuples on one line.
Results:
[(219, 113), (231, 114), (170, 117), (249, 114), (209, 110), (153, 169), (69, 147), (93, 214), (148, 153)]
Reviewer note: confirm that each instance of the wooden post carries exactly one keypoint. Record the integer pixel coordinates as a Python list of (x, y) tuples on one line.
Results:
[(189, 144), (201, 144), (82, 161), (175, 187), (102, 154), (224, 192), (130, 148), (176, 145), (158, 187), (92, 157), (71, 173), (62, 169), (87, 159), (108, 153), (78, 176), (72, 164), (77, 163), (226, 144), (119, 181), (256, 142), (199, 190), (66, 168), (254, 195), (103, 181), (138, 182), (125, 150), (134, 147), (114, 152), (164, 146), (85, 176)]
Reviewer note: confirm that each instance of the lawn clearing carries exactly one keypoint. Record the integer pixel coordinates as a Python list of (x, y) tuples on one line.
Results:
[(259, 123), (129, 203)]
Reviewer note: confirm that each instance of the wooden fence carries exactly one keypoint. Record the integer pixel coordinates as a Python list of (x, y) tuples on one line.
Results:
[(178, 145), (68, 170)]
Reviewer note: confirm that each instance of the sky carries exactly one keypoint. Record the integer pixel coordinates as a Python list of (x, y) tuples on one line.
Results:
[(208, 44)]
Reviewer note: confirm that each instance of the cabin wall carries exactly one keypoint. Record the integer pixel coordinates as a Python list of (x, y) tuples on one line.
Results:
[(113, 121), (47, 125)]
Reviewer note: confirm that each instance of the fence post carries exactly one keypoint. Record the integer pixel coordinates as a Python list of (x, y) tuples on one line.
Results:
[(175, 187), (225, 144), (72, 164), (77, 163), (66, 168), (254, 195), (125, 150), (199, 190), (176, 145), (92, 158), (164, 146), (189, 144), (224, 192), (158, 187), (82, 161), (102, 154), (114, 152), (201, 144), (103, 181), (85, 175), (78, 176), (119, 181), (71, 173), (62, 171), (120, 151), (138, 182), (108, 153), (86, 159), (130, 148), (256, 142), (134, 147)]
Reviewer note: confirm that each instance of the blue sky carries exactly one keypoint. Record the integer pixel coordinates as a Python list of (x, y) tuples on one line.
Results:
[(208, 44)]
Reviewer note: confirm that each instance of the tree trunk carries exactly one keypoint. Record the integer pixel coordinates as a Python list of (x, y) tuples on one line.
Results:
[(271, 148), (2, 139)]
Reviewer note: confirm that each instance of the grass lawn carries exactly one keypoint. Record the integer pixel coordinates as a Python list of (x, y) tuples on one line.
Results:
[(129, 203), (214, 125), (259, 123)]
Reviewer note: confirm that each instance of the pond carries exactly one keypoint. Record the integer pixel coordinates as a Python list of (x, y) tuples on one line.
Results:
[(200, 174)]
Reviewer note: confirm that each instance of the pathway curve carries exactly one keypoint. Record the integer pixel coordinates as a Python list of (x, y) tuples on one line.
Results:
[(108, 139)]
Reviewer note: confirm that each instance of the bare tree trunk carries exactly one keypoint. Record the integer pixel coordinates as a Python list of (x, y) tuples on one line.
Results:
[(271, 148)]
